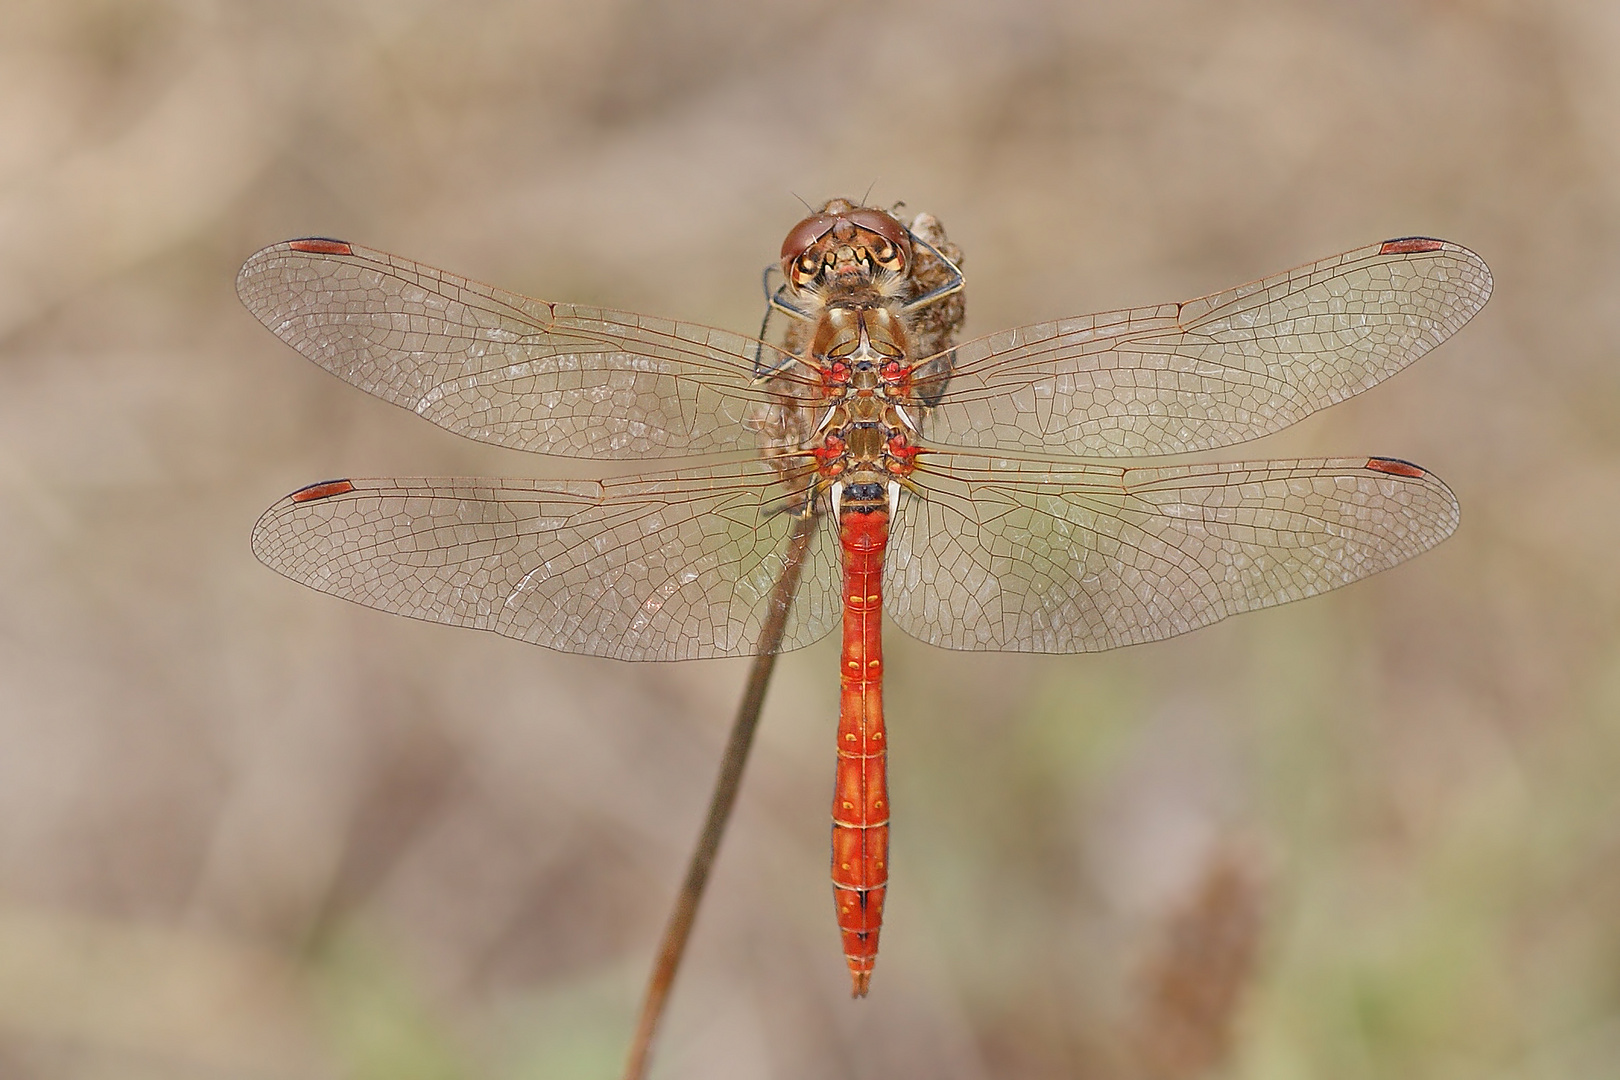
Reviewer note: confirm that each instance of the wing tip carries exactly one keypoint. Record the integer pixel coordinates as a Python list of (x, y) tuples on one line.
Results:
[(254, 265), (1478, 286)]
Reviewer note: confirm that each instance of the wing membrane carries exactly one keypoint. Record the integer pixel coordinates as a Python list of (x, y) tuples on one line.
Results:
[(501, 368), (1056, 558), (1214, 371), (657, 568)]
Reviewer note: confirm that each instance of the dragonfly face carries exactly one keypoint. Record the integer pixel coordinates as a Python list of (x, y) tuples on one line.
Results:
[(845, 247), (979, 496)]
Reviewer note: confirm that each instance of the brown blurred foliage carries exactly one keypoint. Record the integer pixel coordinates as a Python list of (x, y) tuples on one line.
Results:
[(250, 831), (1194, 984)]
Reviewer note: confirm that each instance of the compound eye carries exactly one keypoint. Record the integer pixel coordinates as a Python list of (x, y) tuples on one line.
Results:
[(804, 234), (886, 227)]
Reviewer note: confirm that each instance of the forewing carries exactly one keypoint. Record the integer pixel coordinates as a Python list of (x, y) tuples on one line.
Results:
[(664, 568), (560, 379), (1208, 372), (1027, 557)]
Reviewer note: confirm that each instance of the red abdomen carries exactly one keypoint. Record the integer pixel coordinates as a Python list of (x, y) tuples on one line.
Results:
[(860, 835)]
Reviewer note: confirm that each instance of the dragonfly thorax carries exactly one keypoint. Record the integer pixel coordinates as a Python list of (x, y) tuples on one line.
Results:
[(858, 331), (865, 444)]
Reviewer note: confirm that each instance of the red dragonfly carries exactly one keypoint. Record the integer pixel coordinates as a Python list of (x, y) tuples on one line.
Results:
[(942, 472)]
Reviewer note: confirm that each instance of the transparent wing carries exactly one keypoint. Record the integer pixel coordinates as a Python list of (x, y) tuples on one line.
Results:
[(1056, 558), (501, 368), (1209, 372), (656, 568)]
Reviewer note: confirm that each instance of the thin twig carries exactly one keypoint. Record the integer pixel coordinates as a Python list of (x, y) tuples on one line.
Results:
[(726, 784)]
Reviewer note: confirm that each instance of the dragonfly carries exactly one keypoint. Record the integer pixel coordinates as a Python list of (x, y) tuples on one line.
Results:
[(979, 496)]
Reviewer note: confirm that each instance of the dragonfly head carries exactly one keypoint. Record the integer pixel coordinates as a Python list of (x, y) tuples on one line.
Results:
[(845, 245)]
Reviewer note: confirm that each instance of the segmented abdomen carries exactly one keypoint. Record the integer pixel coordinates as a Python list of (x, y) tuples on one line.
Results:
[(860, 835)]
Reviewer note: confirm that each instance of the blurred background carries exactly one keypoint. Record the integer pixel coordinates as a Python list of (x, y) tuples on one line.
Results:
[(249, 831)]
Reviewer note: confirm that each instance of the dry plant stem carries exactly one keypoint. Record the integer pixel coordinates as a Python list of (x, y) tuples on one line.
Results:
[(726, 784)]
